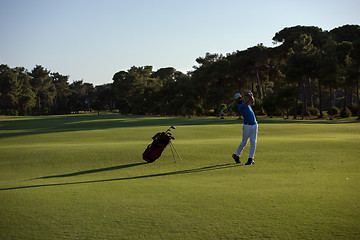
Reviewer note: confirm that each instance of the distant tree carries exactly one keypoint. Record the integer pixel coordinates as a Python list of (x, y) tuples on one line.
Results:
[(348, 37), (44, 89), (346, 33), (61, 101), (283, 75), (275, 75), (300, 66), (288, 36), (183, 91), (328, 70), (121, 89), (211, 80), (344, 63), (79, 96), (27, 97), (285, 96), (9, 90), (105, 97), (166, 89), (134, 89), (91, 96), (355, 54)]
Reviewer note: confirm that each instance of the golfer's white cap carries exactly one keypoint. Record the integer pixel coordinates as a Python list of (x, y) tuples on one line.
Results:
[(237, 95)]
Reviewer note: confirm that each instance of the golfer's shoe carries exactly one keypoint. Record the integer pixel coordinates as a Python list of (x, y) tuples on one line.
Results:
[(236, 158), (250, 161)]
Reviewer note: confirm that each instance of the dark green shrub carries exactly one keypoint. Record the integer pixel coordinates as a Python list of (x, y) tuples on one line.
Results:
[(270, 105), (298, 108), (313, 111), (199, 110), (345, 112), (354, 109), (334, 111)]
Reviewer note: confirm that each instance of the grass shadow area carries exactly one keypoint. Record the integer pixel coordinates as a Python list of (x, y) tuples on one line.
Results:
[(268, 120), (23, 126), (188, 171), (92, 171)]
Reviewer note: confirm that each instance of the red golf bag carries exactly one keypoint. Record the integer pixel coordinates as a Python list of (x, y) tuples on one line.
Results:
[(159, 143)]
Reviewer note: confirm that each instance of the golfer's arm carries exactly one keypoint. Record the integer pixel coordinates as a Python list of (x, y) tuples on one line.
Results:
[(250, 100)]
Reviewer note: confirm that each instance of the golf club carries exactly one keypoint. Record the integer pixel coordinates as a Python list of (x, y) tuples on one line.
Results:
[(172, 127), (222, 111)]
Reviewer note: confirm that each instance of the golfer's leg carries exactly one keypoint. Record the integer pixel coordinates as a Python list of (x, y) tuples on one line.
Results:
[(245, 137), (253, 140)]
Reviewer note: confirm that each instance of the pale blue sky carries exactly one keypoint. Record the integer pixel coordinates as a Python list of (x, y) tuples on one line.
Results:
[(91, 40)]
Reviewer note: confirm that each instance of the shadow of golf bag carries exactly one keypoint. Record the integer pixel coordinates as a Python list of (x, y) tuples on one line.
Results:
[(159, 143)]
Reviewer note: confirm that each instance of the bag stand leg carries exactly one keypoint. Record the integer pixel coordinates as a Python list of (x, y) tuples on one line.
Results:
[(172, 151), (172, 147)]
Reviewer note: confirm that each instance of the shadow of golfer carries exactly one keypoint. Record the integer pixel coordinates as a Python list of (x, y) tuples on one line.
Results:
[(92, 171), (189, 171)]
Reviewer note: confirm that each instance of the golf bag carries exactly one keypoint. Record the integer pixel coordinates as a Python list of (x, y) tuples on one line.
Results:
[(159, 143)]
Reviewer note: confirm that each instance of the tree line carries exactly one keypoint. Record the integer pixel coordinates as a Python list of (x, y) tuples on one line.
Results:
[(310, 72)]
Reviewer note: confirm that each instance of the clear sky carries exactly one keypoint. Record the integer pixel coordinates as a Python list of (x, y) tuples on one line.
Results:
[(91, 40)]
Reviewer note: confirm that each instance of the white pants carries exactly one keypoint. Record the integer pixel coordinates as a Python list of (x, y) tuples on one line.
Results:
[(249, 131)]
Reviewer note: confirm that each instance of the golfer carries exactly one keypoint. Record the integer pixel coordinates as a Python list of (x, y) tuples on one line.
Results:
[(250, 127)]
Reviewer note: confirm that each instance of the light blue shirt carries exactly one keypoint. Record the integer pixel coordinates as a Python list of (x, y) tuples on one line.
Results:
[(247, 113)]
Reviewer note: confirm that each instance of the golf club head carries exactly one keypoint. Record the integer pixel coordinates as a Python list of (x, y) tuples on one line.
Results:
[(168, 131), (171, 136), (172, 127)]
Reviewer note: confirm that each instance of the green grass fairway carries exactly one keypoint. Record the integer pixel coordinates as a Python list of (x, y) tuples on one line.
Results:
[(83, 177)]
